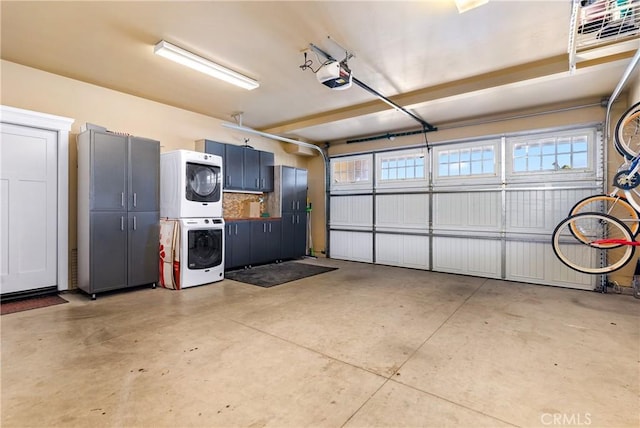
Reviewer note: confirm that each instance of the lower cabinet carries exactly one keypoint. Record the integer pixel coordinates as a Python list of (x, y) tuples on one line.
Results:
[(123, 251), (265, 241), (143, 238), (294, 235), (107, 264), (260, 241), (237, 245)]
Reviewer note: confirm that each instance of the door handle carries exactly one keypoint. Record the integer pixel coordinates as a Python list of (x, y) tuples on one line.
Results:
[(135, 199), (135, 223), (269, 227), (297, 205), (262, 183), (236, 229), (264, 227), (122, 199), (293, 205), (122, 223), (257, 183), (293, 219)]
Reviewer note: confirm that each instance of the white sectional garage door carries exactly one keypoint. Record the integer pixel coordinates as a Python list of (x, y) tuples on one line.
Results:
[(485, 208)]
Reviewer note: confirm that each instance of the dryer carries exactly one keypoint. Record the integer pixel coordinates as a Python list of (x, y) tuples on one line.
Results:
[(201, 256), (190, 185)]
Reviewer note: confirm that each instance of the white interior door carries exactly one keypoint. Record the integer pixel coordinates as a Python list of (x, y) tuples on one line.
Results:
[(28, 216)]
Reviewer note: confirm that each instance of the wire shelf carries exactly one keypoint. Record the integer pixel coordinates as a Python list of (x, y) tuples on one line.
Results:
[(602, 23)]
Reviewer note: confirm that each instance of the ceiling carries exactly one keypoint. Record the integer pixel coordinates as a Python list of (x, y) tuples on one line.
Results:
[(442, 65)]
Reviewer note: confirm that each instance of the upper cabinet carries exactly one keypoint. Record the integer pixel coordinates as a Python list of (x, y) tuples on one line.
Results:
[(244, 167)]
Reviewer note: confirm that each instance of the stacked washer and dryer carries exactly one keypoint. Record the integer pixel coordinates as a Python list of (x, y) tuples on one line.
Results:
[(192, 227)]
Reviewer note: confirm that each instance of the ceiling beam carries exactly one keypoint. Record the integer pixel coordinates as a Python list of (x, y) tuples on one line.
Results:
[(519, 73)]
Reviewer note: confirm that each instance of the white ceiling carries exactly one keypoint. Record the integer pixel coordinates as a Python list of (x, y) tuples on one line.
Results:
[(444, 66)]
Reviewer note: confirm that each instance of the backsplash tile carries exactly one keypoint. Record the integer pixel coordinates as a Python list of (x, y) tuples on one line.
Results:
[(233, 203)]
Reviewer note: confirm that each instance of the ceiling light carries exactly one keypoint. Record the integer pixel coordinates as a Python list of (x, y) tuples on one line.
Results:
[(203, 65), (465, 5)]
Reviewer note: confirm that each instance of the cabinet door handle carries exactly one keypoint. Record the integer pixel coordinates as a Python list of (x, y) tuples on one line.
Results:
[(293, 205), (263, 186), (269, 227), (236, 229), (122, 199), (135, 199), (293, 219), (228, 179), (121, 223), (135, 223), (264, 227), (257, 184), (298, 205)]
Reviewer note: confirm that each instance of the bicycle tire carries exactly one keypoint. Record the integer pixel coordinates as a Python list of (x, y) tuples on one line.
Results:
[(627, 133), (591, 258), (616, 206)]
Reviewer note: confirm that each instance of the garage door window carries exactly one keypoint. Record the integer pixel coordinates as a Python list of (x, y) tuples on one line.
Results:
[(468, 161), (563, 153), (410, 167), (350, 173)]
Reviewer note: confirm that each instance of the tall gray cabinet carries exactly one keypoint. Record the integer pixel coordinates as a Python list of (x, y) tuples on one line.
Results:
[(289, 201), (118, 211)]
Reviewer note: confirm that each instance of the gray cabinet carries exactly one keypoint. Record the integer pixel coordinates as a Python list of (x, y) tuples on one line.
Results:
[(233, 165), (289, 201), (237, 244), (294, 236), (258, 170), (265, 241), (245, 168), (118, 211)]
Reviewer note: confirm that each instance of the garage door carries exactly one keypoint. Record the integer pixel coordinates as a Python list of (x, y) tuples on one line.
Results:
[(483, 207)]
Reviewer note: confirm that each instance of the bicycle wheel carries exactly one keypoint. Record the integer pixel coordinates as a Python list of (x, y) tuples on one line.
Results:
[(627, 134), (615, 206), (592, 258)]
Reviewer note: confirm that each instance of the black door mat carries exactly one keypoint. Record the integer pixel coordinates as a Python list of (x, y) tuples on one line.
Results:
[(30, 303), (276, 274)]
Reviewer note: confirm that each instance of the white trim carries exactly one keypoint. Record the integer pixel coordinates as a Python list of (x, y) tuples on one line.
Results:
[(62, 126)]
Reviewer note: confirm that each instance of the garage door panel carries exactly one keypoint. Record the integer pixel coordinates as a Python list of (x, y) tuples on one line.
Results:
[(352, 211), (408, 211), (355, 246), (478, 210), (541, 210), (410, 251), (467, 256)]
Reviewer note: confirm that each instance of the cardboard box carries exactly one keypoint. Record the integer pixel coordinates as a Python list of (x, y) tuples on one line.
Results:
[(251, 209)]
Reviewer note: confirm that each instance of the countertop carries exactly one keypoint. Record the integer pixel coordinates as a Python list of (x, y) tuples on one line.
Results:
[(231, 219)]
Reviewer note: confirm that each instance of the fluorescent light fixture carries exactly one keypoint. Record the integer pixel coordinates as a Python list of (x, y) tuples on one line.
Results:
[(465, 5), (203, 65)]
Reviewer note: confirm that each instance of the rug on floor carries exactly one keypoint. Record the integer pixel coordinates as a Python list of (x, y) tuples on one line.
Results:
[(276, 274), (30, 303)]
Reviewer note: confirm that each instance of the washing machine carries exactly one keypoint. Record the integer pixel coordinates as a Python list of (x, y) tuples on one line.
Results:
[(201, 256), (190, 185)]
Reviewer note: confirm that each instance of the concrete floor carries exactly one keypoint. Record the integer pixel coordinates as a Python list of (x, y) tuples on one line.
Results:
[(361, 346)]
